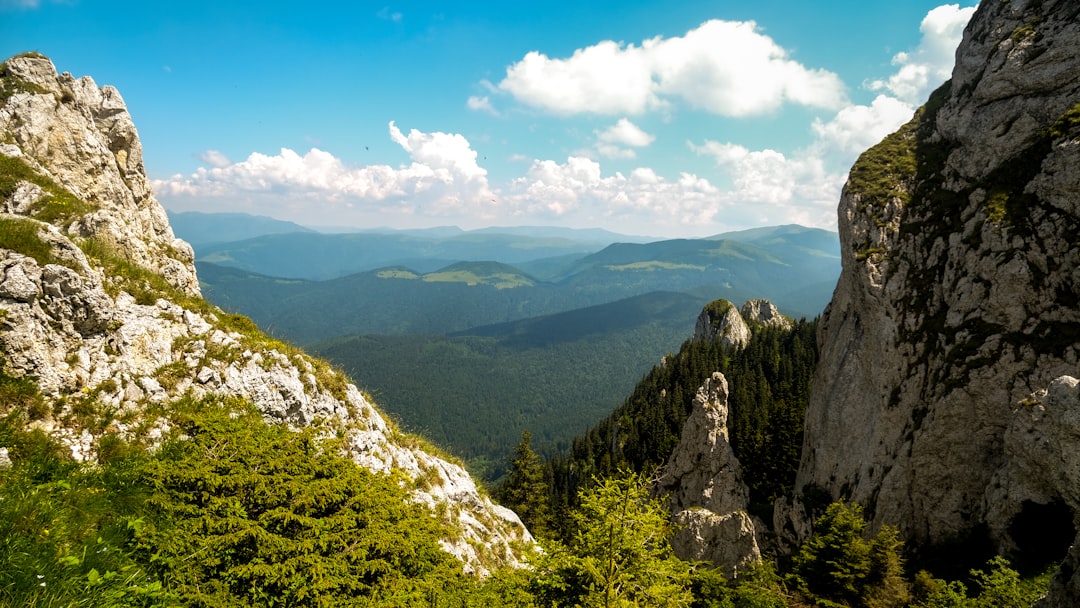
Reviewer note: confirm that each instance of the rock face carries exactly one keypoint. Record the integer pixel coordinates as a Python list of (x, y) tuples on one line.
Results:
[(764, 312), (721, 322), (706, 492), (82, 137), (100, 336), (960, 290)]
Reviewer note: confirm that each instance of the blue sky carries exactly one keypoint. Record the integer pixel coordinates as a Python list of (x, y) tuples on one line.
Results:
[(675, 119)]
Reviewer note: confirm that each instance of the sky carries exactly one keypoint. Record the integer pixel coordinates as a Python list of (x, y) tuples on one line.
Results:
[(660, 118)]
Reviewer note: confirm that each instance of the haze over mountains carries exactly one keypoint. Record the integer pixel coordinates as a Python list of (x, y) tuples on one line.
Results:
[(537, 328)]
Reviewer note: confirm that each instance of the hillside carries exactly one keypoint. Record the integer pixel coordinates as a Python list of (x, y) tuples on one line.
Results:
[(203, 230), (107, 343), (475, 391)]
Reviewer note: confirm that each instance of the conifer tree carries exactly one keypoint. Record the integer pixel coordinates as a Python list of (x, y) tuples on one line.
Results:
[(620, 554), (526, 490)]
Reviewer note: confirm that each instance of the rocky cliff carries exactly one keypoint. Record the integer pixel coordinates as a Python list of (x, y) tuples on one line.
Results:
[(99, 304), (960, 298), (706, 494)]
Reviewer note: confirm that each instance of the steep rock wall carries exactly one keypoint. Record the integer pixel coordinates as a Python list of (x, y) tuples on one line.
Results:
[(960, 290)]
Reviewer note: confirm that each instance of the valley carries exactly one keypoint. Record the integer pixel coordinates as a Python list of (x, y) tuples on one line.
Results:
[(524, 334)]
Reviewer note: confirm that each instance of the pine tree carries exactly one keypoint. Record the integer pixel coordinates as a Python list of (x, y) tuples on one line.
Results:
[(526, 490), (620, 553)]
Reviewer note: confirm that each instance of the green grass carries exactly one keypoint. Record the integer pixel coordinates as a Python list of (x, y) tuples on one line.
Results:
[(21, 235), (497, 280), (397, 273), (58, 206), (652, 265)]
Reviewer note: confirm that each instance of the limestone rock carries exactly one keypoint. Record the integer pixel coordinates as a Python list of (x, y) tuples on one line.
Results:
[(705, 489), (960, 283), (721, 322), (764, 312), (82, 137), (1043, 467)]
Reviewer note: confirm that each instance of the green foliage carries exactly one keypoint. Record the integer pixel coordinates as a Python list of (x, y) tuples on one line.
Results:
[(836, 564), (11, 85), (244, 513), (554, 375), (20, 395), (619, 554), (760, 587), (526, 490), (64, 527), (1000, 587), (769, 381), (21, 235)]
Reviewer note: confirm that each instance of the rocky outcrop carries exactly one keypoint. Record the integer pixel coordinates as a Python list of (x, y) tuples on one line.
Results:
[(764, 312), (705, 490), (81, 137), (720, 321), (1043, 467), (109, 335), (960, 290)]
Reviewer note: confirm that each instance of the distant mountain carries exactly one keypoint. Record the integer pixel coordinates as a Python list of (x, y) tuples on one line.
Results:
[(205, 229), (789, 269), (312, 255)]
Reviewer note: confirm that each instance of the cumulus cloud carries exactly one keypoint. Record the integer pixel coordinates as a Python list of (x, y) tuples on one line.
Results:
[(930, 64), (443, 178), (724, 67), (626, 133), (642, 201), (775, 180), (620, 139), (857, 127)]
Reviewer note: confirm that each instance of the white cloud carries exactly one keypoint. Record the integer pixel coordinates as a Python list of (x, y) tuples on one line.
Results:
[(772, 178), (577, 192), (215, 158), (481, 104), (605, 78), (856, 128), (626, 133), (930, 64), (724, 67), (619, 140), (442, 179)]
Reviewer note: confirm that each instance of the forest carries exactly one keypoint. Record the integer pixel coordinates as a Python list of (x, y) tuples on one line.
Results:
[(232, 511)]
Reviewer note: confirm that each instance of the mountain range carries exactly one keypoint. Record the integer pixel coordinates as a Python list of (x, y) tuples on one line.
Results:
[(493, 327)]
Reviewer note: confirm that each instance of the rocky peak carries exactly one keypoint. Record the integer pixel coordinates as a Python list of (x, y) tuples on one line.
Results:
[(721, 322), (707, 496), (960, 286), (99, 304), (81, 147), (763, 312)]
